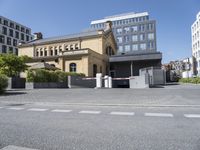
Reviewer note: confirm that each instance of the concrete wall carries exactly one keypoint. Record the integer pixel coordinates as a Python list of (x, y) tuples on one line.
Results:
[(80, 82), (139, 81)]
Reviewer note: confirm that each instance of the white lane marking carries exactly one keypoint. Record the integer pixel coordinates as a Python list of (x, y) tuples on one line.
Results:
[(37, 109), (1, 107), (122, 113), (158, 115), (61, 110), (192, 115), (89, 112), (15, 108)]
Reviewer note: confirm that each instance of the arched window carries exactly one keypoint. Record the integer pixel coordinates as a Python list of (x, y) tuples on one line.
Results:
[(72, 67), (71, 47), (109, 51)]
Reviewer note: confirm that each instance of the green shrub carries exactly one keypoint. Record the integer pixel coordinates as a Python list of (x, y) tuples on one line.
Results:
[(41, 75), (190, 80), (3, 83)]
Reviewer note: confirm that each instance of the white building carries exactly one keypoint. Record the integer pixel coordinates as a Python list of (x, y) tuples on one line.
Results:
[(188, 67), (11, 34), (195, 28)]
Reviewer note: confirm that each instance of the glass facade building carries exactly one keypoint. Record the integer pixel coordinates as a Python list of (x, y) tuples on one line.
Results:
[(11, 34), (134, 32)]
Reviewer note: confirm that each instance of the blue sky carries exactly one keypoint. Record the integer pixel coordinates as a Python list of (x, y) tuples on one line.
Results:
[(60, 17)]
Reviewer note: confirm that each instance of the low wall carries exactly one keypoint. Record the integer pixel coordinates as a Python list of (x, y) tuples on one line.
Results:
[(139, 82), (16, 82), (81, 82), (32, 85)]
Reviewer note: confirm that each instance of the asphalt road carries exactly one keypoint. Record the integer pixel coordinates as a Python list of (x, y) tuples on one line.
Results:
[(64, 124)]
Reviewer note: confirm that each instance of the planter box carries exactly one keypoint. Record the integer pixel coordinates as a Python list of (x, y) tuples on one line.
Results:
[(33, 85)]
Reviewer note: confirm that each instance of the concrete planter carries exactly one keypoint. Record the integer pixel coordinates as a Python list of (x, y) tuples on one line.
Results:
[(33, 85)]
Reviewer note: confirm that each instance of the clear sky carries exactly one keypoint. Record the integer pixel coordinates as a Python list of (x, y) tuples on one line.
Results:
[(61, 17)]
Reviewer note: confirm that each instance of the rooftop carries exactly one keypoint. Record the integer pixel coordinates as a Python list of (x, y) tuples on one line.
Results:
[(120, 17)]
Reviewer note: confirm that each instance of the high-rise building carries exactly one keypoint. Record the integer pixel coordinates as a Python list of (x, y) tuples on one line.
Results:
[(11, 34), (195, 28), (135, 35)]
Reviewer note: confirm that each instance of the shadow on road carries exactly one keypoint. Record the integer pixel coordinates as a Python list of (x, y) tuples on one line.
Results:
[(13, 93)]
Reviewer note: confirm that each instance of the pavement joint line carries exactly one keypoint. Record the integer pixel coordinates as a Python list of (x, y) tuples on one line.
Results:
[(61, 110), (122, 113), (192, 115), (158, 115), (15, 108), (36, 109), (89, 112)]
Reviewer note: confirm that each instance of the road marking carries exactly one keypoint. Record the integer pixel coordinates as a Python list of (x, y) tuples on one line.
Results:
[(37, 109), (192, 115), (61, 110), (1, 107), (89, 112), (158, 115), (122, 113), (15, 108)]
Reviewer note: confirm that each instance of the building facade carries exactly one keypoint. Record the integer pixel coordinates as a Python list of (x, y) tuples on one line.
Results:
[(11, 34), (135, 35), (133, 31), (86, 52), (195, 29)]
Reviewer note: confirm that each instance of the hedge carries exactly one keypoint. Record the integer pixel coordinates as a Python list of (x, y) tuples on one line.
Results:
[(41, 75), (3, 83), (190, 80)]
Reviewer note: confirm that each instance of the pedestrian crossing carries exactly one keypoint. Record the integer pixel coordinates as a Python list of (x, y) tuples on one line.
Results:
[(97, 112)]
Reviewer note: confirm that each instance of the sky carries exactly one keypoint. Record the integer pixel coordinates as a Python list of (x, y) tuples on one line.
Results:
[(61, 17)]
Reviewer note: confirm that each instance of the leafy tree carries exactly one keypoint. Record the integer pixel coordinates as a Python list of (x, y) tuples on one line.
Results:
[(11, 65)]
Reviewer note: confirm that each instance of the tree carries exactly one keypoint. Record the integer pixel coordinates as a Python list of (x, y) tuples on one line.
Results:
[(11, 65)]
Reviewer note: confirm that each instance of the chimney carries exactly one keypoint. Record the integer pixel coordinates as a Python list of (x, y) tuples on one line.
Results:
[(38, 36), (108, 25)]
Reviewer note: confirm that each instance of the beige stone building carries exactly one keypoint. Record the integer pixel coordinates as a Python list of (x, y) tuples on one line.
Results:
[(86, 52)]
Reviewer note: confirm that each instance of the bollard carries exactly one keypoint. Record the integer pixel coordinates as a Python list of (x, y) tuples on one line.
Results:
[(106, 82), (98, 80), (109, 82)]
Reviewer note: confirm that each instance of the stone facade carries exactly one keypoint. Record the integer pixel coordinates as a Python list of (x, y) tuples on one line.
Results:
[(86, 52)]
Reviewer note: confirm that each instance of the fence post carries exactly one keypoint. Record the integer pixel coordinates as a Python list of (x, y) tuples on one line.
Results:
[(109, 82), (69, 81), (106, 83), (98, 80)]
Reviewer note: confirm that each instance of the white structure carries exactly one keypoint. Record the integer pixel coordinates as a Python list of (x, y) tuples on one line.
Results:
[(195, 28), (188, 70), (11, 34)]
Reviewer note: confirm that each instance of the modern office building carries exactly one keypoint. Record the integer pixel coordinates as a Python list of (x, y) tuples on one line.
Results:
[(85, 52), (195, 29), (135, 35), (11, 34)]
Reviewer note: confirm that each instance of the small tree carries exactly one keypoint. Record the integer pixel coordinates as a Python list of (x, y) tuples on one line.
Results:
[(11, 65)]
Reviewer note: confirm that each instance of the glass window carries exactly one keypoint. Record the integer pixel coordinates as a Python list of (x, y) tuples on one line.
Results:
[(135, 47), (2, 39), (142, 37), (127, 48), (22, 36), (119, 31), (16, 34), (142, 27), (4, 49), (150, 45), (11, 32), (143, 46), (134, 28), (151, 36), (8, 41), (119, 39), (14, 42), (10, 50), (72, 67), (126, 38), (4, 30), (134, 38), (126, 30), (120, 48)]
